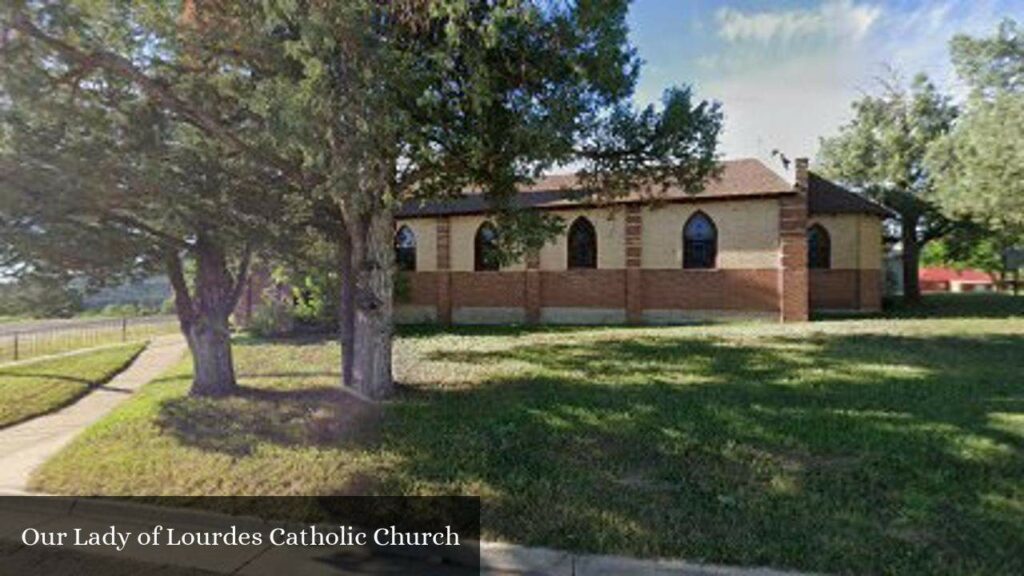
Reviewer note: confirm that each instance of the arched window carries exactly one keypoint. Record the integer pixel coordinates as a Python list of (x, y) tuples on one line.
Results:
[(700, 242), (819, 247), (582, 244), (405, 249), (485, 248)]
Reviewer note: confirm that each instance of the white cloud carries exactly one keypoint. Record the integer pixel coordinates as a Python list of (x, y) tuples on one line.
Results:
[(836, 20)]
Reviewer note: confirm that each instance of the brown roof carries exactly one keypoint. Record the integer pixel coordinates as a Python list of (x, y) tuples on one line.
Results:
[(827, 197), (747, 178), (738, 179)]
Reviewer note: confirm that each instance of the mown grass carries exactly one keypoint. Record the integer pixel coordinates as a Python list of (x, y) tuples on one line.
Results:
[(28, 390), (966, 305), (870, 446)]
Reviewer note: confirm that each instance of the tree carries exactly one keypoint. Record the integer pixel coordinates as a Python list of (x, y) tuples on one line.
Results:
[(882, 153), (368, 105), (99, 182), (979, 165), (993, 65)]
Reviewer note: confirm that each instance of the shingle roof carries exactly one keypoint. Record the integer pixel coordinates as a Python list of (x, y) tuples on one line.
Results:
[(738, 179), (747, 178), (827, 197)]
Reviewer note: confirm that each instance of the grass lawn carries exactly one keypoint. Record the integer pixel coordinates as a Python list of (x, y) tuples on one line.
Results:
[(865, 446), (29, 390)]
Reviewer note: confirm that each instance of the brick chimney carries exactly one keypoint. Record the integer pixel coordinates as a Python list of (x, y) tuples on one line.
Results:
[(794, 302)]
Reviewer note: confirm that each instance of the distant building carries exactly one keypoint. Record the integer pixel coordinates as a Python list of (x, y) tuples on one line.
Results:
[(950, 280)]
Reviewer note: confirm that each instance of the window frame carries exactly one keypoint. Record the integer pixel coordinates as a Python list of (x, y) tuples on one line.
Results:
[(480, 264), (709, 262), (403, 265), (824, 249), (574, 259)]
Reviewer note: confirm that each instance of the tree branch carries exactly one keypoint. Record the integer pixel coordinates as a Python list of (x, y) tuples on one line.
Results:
[(240, 277), (161, 236), (182, 299), (154, 89)]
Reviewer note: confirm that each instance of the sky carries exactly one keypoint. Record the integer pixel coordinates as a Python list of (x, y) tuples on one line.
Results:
[(787, 71)]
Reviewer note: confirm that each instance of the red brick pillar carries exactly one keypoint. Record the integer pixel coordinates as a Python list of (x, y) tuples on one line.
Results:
[(634, 257), (533, 288), (444, 277), (794, 301)]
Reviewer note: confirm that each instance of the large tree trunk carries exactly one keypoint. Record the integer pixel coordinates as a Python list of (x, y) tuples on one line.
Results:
[(203, 315), (911, 260), (209, 341), (373, 251)]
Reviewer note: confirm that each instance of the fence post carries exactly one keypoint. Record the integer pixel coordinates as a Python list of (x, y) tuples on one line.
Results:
[(124, 329), (15, 346)]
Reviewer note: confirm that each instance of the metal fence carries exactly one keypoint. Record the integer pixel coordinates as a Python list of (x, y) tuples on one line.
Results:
[(17, 343)]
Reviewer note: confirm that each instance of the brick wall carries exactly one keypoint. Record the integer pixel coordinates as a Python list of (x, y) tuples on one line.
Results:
[(846, 289), (792, 278), (534, 290)]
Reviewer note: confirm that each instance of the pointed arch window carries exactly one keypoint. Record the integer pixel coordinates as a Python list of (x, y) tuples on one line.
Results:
[(819, 248), (485, 248), (405, 249), (582, 245), (700, 242)]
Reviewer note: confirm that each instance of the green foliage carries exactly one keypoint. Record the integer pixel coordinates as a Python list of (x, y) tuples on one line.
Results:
[(39, 297), (965, 247), (272, 317), (979, 166), (882, 150), (994, 64)]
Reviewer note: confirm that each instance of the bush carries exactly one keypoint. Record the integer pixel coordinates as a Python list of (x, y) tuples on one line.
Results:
[(272, 318)]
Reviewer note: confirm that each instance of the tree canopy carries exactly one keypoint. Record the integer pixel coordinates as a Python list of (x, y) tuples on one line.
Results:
[(350, 109), (979, 166), (882, 152)]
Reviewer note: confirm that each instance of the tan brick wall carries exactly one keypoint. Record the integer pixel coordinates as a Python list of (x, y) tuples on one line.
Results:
[(856, 240), (609, 224), (425, 230), (748, 233), (463, 234)]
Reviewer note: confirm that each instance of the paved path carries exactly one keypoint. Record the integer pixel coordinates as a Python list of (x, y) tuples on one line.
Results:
[(25, 446)]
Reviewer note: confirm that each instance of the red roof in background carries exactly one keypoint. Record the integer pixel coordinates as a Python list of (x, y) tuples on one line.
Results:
[(948, 274)]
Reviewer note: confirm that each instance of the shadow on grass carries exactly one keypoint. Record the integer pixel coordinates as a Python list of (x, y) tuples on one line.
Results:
[(43, 376), (979, 305), (839, 453), (239, 424)]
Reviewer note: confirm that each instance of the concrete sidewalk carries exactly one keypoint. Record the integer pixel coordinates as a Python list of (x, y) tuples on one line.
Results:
[(25, 446)]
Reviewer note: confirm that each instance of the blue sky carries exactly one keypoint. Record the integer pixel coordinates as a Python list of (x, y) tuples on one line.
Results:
[(787, 71)]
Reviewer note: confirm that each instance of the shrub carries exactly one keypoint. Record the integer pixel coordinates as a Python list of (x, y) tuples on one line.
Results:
[(272, 318)]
